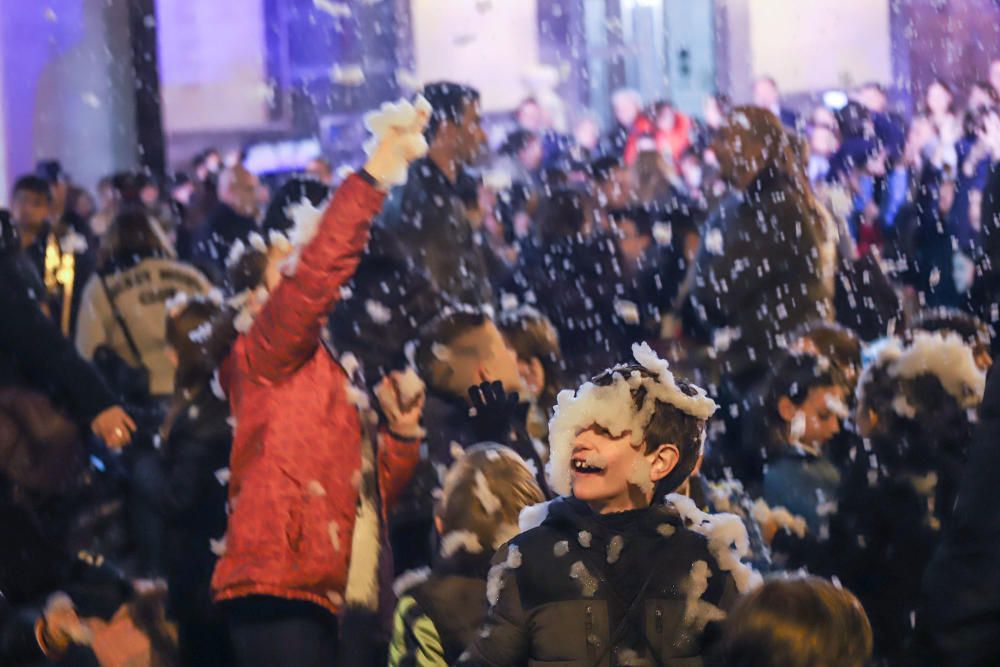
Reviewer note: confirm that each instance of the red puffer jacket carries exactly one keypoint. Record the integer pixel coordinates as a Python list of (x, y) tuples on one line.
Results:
[(296, 455)]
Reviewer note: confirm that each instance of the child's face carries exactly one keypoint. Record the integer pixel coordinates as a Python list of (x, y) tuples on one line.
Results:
[(815, 421), (611, 475), (481, 355)]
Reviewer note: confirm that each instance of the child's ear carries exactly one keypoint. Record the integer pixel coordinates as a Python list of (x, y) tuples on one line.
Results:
[(663, 461), (787, 409)]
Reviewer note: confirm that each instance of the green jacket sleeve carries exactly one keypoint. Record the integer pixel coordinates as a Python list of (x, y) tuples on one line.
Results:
[(415, 641)]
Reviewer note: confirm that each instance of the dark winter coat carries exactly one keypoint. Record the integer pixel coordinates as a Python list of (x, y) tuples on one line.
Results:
[(767, 279), (931, 260), (216, 237), (960, 617), (985, 293), (428, 217), (35, 355), (865, 298), (84, 263), (33, 565), (633, 590), (578, 284), (879, 540), (804, 484), (188, 489), (440, 616)]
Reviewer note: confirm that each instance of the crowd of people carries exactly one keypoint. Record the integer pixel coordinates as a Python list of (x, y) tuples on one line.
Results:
[(431, 412)]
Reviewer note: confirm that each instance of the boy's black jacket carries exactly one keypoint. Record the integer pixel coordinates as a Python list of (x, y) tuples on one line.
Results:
[(546, 615)]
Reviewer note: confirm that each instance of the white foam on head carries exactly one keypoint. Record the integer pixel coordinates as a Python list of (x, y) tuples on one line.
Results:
[(612, 408)]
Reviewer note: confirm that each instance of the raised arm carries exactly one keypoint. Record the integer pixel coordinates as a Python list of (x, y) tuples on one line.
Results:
[(286, 332)]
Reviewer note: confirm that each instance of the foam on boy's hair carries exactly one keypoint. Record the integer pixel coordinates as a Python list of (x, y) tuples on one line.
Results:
[(613, 408)]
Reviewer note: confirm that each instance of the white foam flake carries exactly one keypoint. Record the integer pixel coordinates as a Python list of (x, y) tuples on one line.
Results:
[(697, 612), (410, 580), (561, 548), (584, 538), (587, 582), (613, 409), (218, 547), (532, 516), (947, 357), (615, 547), (334, 9), (378, 312), (333, 532), (347, 75), (727, 540), (410, 386), (484, 494), (780, 516), (460, 540)]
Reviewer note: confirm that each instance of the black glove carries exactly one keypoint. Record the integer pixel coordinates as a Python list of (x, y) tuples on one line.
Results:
[(495, 411)]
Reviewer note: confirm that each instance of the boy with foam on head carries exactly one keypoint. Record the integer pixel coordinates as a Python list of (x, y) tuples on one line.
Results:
[(611, 574)]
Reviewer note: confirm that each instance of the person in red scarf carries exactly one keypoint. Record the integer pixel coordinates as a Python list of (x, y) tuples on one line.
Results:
[(312, 472)]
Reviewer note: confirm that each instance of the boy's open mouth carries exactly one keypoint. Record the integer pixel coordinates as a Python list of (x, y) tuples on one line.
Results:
[(583, 467)]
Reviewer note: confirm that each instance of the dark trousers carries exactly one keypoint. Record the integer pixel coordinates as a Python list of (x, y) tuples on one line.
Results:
[(271, 632)]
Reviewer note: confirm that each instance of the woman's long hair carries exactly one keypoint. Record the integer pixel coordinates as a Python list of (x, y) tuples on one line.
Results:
[(132, 237)]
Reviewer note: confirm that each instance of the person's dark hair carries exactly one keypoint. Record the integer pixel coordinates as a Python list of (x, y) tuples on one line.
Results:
[(853, 121), (448, 101), (34, 185), (440, 333), (837, 343), (198, 356), (293, 192), (9, 238), (602, 168), (132, 236), (947, 86), (874, 85), (987, 87), (798, 622), (51, 171), (516, 141), (644, 217), (970, 328), (724, 102), (794, 376), (560, 216), (533, 336), (918, 426), (668, 425), (248, 271)]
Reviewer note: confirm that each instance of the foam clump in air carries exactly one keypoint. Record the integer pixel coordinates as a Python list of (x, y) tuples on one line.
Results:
[(612, 408), (409, 120)]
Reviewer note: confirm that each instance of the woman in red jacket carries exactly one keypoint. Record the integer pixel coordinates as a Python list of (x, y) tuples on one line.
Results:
[(310, 477)]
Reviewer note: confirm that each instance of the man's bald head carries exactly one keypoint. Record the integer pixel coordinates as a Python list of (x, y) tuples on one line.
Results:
[(238, 190)]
